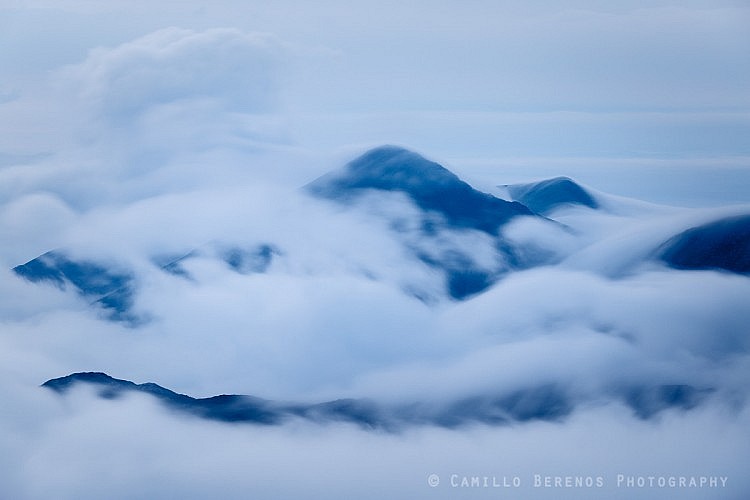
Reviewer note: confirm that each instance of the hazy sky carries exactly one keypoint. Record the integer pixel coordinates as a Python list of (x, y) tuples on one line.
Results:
[(477, 78), (504, 90)]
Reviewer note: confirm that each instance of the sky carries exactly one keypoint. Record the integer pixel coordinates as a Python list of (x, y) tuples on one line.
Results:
[(130, 130), (638, 90)]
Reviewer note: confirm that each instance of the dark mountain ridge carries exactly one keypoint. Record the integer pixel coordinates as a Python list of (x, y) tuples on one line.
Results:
[(723, 244), (545, 196), (548, 402), (429, 185)]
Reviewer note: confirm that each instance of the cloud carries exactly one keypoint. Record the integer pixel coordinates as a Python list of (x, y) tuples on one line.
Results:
[(175, 94), (505, 82), (169, 111), (329, 319), (174, 65), (151, 453), (44, 212)]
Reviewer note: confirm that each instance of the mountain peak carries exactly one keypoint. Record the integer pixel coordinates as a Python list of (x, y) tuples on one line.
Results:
[(430, 186), (723, 244), (397, 168), (545, 196)]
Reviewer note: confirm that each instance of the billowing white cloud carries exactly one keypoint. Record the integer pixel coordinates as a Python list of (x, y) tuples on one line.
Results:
[(44, 212), (231, 68), (329, 318), (172, 110), (180, 93), (130, 448)]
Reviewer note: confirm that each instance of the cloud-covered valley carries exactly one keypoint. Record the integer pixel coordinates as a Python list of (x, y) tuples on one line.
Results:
[(170, 231)]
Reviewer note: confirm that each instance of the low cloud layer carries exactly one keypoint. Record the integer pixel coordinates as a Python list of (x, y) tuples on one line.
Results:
[(129, 448), (332, 317)]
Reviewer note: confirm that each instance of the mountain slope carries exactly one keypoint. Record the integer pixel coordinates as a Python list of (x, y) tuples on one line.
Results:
[(110, 288), (455, 233), (450, 210), (549, 402), (429, 185), (545, 196), (723, 244), (113, 287)]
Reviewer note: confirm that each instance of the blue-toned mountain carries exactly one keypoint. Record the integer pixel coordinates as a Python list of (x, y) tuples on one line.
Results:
[(545, 196), (548, 402), (723, 244), (429, 185)]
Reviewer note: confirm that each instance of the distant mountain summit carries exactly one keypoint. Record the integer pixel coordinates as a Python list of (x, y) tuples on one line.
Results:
[(110, 288), (549, 402), (723, 244), (449, 207), (545, 196), (429, 185)]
